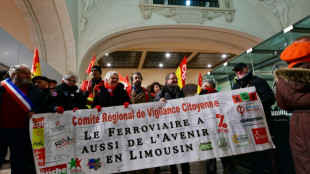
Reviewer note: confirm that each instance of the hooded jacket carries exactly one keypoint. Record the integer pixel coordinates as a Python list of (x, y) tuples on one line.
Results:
[(293, 87)]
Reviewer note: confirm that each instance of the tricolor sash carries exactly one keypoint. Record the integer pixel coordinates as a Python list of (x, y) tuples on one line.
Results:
[(17, 94)]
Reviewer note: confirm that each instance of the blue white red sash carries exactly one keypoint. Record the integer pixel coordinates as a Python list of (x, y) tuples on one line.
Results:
[(17, 94)]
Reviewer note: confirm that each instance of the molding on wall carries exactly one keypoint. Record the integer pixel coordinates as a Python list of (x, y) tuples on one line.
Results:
[(185, 14), (280, 9)]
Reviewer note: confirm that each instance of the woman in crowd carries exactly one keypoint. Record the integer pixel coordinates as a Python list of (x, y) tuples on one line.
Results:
[(112, 93), (154, 88)]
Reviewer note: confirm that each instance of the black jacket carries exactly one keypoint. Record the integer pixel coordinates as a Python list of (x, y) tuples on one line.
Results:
[(104, 98), (169, 92), (67, 97)]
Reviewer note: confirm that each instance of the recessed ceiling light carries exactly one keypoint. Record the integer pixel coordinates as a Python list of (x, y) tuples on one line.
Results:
[(188, 3), (106, 54), (208, 73), (161, 65), (209, 65), (224, 56), (167, 55), (108, 64), (225, 64)]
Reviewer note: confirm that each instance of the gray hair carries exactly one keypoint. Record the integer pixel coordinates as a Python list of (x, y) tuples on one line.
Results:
[(109, 74), (15, 68), (67, 76), (212, 83)]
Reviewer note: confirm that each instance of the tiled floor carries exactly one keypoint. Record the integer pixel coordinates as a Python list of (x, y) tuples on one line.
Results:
[(196, 168)]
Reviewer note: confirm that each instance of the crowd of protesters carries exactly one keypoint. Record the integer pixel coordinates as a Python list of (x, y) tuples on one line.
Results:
[(21, 97)]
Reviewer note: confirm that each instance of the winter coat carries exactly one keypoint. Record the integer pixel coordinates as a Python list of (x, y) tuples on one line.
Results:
[(293, 94), (293, 87), (67, 97), (104, 98), (169, 92), (263, 90)]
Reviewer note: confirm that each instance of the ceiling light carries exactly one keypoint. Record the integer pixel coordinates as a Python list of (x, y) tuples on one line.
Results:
[(188, 3), (167, 55), (108, 64), (224, 56), (209, 65), (208, 73), (249, 50), (225, 64), (161, 65), (289, 28), (106, 54)]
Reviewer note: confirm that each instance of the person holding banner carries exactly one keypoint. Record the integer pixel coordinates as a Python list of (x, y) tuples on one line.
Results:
[(42, 83), (19, 100), (136, 92), (293, 94), (208, 87), (172, 91), (154, 88), (65, 96), (112, 93), (91, 87), (263, 159)]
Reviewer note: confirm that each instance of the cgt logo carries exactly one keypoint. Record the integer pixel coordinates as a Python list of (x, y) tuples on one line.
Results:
[(38, 123), (243, 97)]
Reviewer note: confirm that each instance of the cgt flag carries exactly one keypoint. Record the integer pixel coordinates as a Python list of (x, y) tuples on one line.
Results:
[(199, 83), (92, 62), (36, 69), (181, 73)]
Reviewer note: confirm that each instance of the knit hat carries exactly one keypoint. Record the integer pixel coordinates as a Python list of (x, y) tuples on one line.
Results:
[(97, 68), (39, 78), (239, 66), (296, 52), (210, 81)]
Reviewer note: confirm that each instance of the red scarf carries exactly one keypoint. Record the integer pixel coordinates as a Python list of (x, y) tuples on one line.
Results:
[(153, 94), (111, 89), (209, 90)]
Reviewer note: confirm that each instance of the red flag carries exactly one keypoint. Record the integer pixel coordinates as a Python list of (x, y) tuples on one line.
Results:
[(181, 73), (92, 62), (123, 80), (127, 78), (36, 70), (199, 83)]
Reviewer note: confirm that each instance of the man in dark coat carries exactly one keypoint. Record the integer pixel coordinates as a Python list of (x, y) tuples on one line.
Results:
[(172, 91), (293, 94), (263, 159), (19, 100), (65, 96), (42, 83)]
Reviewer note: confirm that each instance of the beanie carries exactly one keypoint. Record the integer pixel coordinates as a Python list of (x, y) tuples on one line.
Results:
[(97, 68)]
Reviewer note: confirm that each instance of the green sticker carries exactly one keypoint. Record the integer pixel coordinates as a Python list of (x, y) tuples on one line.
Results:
[(245, 96)]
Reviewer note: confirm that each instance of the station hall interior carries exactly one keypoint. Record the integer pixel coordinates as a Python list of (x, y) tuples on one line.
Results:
[(152, 37)]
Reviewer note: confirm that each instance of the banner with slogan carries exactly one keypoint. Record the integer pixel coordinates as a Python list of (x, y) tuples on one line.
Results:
[(149, 135)]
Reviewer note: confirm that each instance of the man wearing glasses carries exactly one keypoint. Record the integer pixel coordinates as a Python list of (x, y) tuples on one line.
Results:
[(65, 96)]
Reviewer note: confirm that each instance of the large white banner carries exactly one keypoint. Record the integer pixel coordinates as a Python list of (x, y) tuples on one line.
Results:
[(152, 134)]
